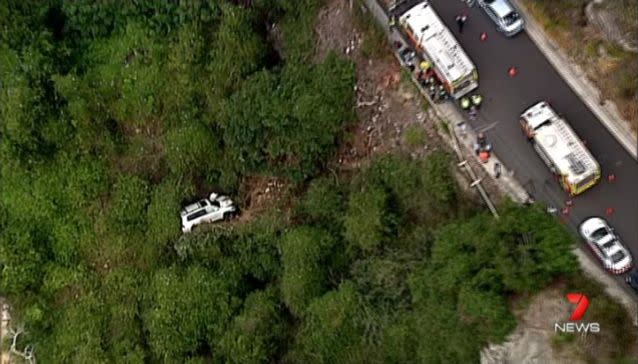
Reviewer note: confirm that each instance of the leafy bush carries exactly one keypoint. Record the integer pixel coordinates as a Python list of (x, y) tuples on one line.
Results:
[(186, 309), (368, 221), (303, 254), (332, 331), (323, 203), (130, 200), (255, 334)]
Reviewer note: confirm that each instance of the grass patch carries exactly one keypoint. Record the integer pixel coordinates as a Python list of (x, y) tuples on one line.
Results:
[(425, 105), (443, 125), (374, 43), (414, 136), (406, 76), (617, 336), (559, 340)]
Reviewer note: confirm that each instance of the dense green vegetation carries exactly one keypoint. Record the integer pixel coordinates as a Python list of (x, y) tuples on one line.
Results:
[(113, 114)]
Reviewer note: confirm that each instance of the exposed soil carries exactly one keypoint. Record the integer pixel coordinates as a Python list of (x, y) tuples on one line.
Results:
[(261, 193), (535, 341), (388, 106)]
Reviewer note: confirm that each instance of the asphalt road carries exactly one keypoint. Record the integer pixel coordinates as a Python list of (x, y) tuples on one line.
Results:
[(505, 98)]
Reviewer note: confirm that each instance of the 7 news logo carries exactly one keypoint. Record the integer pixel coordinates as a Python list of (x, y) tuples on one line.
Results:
[(582, 303)]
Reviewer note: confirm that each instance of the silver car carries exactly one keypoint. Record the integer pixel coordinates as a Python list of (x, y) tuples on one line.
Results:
[(605, 245), (502, 12)]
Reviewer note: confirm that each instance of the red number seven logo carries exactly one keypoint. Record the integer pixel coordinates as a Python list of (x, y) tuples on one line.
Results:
[(581, 301)]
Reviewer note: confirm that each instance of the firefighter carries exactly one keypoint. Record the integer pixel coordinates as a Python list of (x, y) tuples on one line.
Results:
[(482, 148), (393, 22), (442, 93), (432, 91), (481, 140), (465, 103), (476, 100), (473, 112)]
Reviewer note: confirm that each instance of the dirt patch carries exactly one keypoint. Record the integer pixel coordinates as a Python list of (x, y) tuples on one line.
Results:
[(143, 156), (392, 114), (261, 193), (535, 341)]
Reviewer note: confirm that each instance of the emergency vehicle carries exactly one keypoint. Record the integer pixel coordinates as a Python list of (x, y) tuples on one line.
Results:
[(560, 148), (436, 44)]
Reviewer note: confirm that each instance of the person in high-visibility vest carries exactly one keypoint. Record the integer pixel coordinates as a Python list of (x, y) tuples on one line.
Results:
[(465, 103), (424, 65), (476, 100)]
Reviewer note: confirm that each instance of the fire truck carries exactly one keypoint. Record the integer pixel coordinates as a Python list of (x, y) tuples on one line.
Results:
[(560, 148), (436, 44)]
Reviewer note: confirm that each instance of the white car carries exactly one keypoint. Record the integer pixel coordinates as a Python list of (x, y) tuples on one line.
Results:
[(207, 210), (606, 246), (502, 12)]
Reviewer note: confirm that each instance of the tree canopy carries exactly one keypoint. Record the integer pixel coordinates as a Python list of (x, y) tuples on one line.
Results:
[(115, 114)]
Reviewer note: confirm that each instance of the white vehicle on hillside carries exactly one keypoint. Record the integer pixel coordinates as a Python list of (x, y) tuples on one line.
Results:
[(207, 210), (606, 246)]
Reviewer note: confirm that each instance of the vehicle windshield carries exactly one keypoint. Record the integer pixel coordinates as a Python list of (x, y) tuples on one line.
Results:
[(618, 256), (599, 233), (511, 17), (609, 244)]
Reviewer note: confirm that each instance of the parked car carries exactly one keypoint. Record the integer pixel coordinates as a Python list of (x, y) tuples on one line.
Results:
[(632, 280), (207, 210), (508, 20), (602, 240)]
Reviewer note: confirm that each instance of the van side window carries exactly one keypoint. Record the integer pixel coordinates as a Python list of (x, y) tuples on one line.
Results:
[(196, 214)]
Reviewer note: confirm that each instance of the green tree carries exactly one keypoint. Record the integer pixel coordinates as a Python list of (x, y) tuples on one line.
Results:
[(186, 310), (191, 150), (256, 333), (323, 204), (333, 329), (23, 253), (369, 222), (304, 253), (163, 213), (124, 338), (78, 335), (130, 200), (295, 128)]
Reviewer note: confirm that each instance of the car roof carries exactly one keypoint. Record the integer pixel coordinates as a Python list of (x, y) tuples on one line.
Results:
[(593, 223), (606, 239), (192, 207), (501, 7)]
